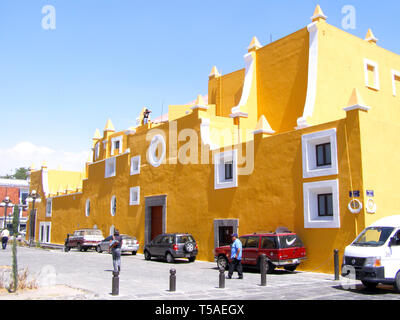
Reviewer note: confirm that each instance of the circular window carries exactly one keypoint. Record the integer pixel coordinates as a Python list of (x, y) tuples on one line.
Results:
[(113, 208), (87, 208), (156, 151)]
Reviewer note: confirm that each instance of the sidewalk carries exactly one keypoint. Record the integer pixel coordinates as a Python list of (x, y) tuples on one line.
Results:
[(88, 275)]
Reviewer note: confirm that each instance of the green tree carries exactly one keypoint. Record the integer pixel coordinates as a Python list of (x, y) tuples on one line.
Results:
[(20, 173), (15, 224)]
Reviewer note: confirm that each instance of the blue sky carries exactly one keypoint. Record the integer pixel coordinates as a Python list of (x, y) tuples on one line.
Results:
[(109, 59)]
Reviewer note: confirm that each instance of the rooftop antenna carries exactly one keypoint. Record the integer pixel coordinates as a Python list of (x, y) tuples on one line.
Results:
[(270, 37), (162, 110)]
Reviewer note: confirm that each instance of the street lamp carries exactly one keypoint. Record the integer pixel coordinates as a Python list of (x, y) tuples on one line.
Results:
[(6, 203), (32, 197)]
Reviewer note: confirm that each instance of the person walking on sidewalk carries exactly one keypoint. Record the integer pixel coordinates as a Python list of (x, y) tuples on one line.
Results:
[(115, 247), (4, 237), (236, 256)]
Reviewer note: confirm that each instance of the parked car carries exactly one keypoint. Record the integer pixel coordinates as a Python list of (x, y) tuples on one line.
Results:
[(170, 246), (281, 249), (374, 256), (83, 239), (129, 244)]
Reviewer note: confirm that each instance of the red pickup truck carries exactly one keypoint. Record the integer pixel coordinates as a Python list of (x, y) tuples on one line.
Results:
[(83, 239), (281, 249)]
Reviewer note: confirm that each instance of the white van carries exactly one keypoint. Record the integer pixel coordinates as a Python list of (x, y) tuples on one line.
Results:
[(374, 256)]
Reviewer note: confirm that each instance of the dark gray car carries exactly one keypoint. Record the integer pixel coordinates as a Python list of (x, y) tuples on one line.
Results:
[(170, 246)]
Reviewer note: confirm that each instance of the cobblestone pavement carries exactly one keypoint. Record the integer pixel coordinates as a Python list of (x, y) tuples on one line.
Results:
[(91, 273)]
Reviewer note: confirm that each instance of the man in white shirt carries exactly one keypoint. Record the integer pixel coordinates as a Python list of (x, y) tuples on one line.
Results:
[(4, 238)]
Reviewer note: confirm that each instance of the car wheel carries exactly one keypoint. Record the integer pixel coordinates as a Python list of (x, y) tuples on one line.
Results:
[(290, 268), (79, 247), (169, 258), (98, 249), (189, 247), (397, 282), (147, 255), (134, 253), (369, 284), (270, 267), (66, 249), (192, 259), (222, 262)]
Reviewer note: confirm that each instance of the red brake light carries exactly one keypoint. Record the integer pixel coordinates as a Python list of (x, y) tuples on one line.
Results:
[(197, 246), (175, 247)]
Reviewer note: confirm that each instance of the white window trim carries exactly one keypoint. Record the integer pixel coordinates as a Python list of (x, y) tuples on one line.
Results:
[(373, 64), (107, 164), (219, 161), (395, 74), (151, 156), (133, 159), (308, 144), (132, 191), (44, 224), (48, 213), (310, 203), (87, 206), (113, 198), (113, 140)]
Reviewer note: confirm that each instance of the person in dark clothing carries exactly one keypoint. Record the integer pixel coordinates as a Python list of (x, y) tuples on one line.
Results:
[(115, 246), (146, 115), (4, 238), (236, 256)]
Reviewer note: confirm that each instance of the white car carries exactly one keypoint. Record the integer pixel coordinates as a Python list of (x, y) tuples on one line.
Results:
[(374, 256), (129, 244)]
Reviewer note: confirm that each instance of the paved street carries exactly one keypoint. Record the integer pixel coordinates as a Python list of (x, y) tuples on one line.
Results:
[(149, 280)]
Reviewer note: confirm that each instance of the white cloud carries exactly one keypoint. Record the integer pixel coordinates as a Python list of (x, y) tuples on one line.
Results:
[(24, 154)]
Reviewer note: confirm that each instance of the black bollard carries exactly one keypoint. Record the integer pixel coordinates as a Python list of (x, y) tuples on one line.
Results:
[(115, 283), (221, 277), (263, 269), (172, 280), (336, 263)]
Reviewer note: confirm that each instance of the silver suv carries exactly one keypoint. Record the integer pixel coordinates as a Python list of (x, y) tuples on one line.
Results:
[(170, 246)]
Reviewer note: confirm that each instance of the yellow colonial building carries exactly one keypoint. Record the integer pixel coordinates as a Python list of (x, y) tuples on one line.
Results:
[(304, 136)]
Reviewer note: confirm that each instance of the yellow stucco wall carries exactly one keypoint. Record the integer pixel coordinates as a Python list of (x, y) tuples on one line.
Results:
[(282, 69), (272, 195)]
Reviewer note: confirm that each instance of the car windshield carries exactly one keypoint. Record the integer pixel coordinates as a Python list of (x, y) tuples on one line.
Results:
[(373, 237), (184, 238), (93, 232), (289, 241)]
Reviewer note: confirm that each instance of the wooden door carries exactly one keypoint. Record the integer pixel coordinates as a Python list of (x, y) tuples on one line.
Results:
[(156, 221)]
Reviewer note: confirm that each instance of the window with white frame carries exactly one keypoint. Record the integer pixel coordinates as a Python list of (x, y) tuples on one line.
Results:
[(87, 208), (371, 73), (396, 82), (116, 144), (134, 196), (110, 167), (321, 204), (23, 194), (49, 206), (113, 205), (225, 170), (319, 153), (45, 232), (135, 165)]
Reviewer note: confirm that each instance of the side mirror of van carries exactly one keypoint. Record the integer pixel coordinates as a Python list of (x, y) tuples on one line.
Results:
[(394, 241)]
